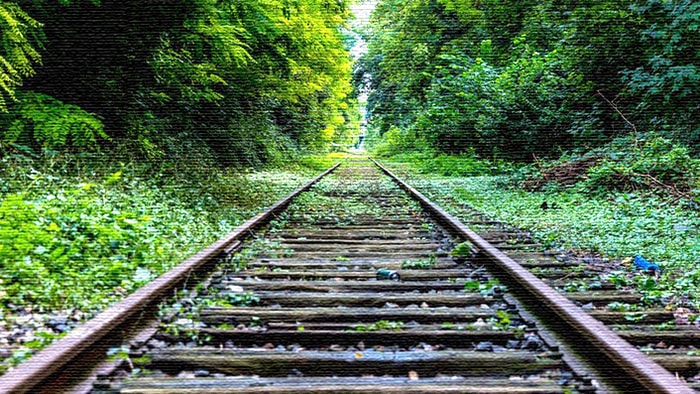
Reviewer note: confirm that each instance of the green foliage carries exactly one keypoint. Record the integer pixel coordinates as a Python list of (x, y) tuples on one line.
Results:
[(450, 165), (668, 81), (622, 307), (428, 162), (396, 141), (655, 163), (617, 224), (527, 79), (84, 242), (462, 249), (19, 40), (38, 120), (241, 299), (459, 102), (485, 289), (381, 325), (418, 264), (321, 163), (503, 320), (227, 83)]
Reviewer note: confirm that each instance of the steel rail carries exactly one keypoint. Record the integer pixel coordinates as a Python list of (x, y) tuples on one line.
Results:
[(54, 359), (628, 358)]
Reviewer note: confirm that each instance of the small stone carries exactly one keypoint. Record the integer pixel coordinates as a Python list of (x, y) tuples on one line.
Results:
[(201, 373), (296, 373), (513, 344), (61, 328), (57, 321), (565, 378), (498, 349), (480, 324), (532, 342), (156, 344), (484, 347)]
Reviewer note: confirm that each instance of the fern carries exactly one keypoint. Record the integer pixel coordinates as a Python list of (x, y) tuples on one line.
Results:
[(19, 37), (42, 120)]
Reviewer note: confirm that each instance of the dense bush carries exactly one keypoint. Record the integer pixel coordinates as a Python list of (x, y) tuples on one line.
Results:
[(517, 111), (630, 164), (47, 124), (230, 83), (395, 141), (530, 79)]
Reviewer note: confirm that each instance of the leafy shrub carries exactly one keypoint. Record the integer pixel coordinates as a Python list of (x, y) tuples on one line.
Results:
[(521, 109), (396, 141), (656, 163), (44, 122), (667, 82), (428, 162)]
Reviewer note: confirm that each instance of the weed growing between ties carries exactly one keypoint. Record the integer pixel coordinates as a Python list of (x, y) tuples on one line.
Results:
[(380, 326), (333, 198), (419, 264)]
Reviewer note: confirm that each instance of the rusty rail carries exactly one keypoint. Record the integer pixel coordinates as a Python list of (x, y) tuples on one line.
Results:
[(62, 364), (647, 373)]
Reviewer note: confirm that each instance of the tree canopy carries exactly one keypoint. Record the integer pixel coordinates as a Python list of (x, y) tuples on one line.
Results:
[(230, 81), (524, 78)]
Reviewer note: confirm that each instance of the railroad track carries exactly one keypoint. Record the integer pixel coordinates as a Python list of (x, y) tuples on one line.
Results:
[(352, 289)]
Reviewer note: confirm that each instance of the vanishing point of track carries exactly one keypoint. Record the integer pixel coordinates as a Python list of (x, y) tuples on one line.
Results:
[(360, 299)]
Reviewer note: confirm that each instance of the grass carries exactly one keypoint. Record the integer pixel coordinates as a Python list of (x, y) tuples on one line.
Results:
[(615, 224)]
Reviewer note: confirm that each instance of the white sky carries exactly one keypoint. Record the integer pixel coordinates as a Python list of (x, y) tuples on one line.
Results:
[(362, 11)]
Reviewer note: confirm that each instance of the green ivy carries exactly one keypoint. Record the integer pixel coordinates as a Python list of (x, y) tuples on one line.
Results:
[(616, 224), (67, 242)]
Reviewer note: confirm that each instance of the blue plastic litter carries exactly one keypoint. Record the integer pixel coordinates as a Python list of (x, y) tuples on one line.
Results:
[(641, 263)]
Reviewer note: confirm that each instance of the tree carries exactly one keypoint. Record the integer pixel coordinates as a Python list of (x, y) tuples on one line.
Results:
[(229, 82)]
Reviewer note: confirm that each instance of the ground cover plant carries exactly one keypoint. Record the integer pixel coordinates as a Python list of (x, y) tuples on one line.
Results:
[(76, 236), (616, 219)]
